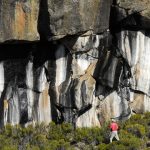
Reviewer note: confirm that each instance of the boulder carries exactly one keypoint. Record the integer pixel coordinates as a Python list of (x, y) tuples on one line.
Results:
[(132, 15), (69, 17)]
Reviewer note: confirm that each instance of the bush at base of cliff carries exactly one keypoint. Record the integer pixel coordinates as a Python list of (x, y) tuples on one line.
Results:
[(136, 129), (133, 143), (124, 144), (57, 132), (102, 146), (133, 135), (7, 142), (88, 135), (130, 141), (115, 146), (142, 119), (32, 147), (10, 147)]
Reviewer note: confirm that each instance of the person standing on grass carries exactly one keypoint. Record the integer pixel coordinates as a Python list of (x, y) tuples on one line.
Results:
[(114, 130)]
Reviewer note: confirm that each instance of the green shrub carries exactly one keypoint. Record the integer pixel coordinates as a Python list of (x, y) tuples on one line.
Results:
[(67, 131), (32, 147), (147, 115), (105, 133), (40, 128), (136, 129), (130, 141), (116, 146), (102, 146), (135, 119), (97, 135), (39, 140), (9, 147), (62, 137), (58, 145), (66, 128), (8, 130), (83, 134), (55, 132), (133, 143), (89, 135)]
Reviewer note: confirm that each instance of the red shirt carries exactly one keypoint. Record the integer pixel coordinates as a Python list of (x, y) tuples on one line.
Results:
[(113, 126)]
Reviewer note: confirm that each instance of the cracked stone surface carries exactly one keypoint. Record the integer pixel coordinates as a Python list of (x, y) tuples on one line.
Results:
[(82, 62)]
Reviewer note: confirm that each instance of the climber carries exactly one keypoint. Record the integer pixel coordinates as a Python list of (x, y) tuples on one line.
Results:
[(114, 130)]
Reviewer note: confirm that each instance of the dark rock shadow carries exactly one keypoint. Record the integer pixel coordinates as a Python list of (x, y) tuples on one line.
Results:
[(134, 21), (16, 49), (44, 21)]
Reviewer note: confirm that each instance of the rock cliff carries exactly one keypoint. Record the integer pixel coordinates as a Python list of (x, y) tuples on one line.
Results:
[(75, 61)]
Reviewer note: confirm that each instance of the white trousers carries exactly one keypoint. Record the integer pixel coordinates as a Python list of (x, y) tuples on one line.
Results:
[(114, 134)]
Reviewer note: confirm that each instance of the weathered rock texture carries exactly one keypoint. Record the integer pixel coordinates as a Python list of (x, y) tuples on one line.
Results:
[(141, 6), (90, 64), (70, 17), (18, 20), (132, 14)]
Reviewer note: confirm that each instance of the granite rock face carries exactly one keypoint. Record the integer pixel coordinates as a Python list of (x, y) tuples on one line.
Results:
[(19, 19), (70, 17), (141, 6), (135, 14), (25, 20), (87, 61)]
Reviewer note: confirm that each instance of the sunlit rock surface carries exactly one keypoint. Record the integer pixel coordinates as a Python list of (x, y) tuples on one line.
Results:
[(140, 102), (84, 85), (89, 65), (18, 20), (113, 107), (135, 48)]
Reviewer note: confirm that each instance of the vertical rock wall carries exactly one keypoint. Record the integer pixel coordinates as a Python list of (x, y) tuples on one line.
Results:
[(82, 62)]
